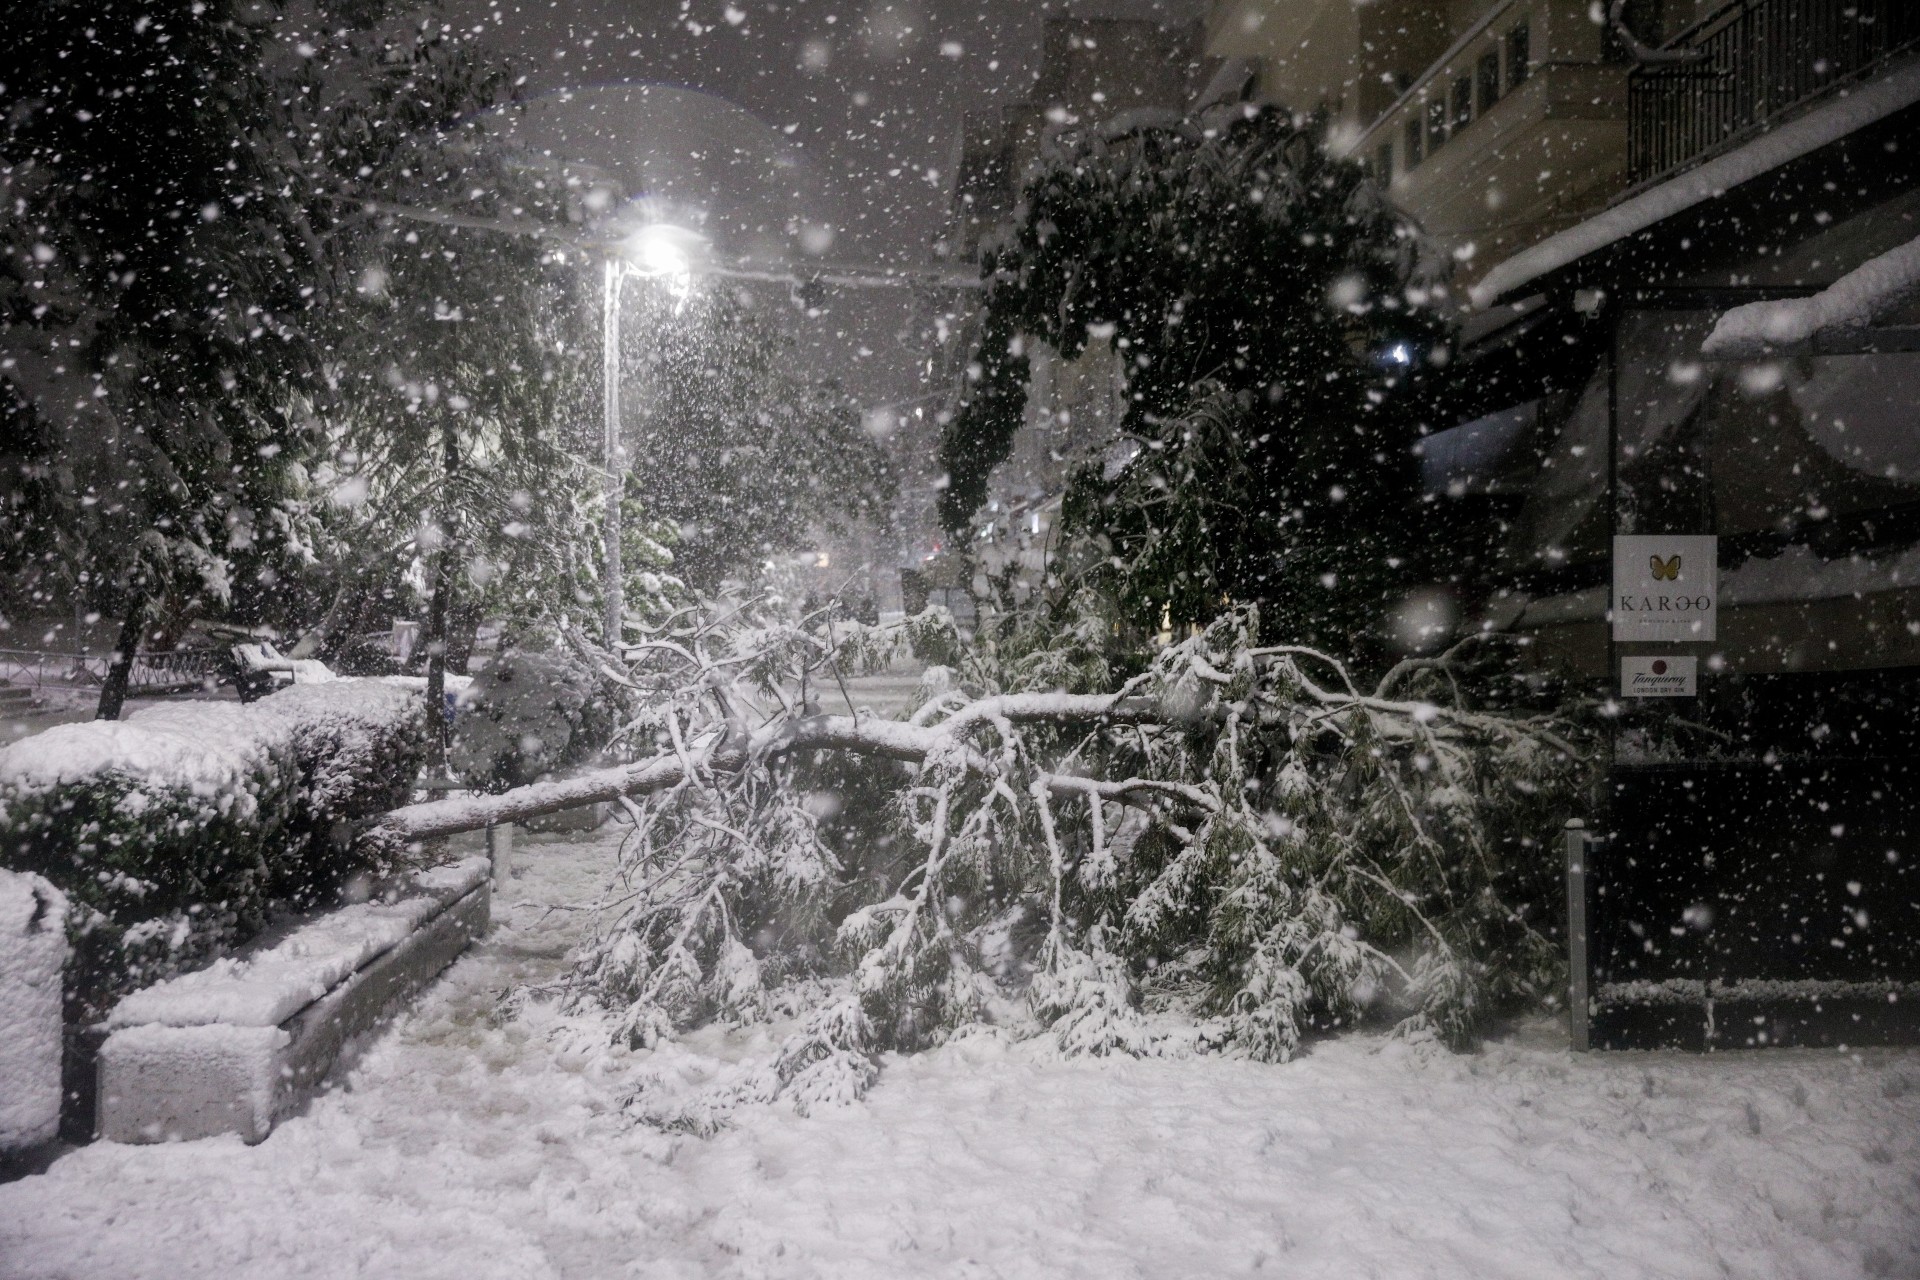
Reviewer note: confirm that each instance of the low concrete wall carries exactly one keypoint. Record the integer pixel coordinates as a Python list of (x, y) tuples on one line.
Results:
[(33, 955), (207, 1057)]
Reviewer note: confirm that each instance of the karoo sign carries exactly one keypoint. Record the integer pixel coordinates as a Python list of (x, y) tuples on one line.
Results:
[(1665, 587)]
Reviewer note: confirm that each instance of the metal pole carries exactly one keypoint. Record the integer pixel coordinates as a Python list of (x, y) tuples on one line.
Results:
[(1577, 1006), (616, 472)]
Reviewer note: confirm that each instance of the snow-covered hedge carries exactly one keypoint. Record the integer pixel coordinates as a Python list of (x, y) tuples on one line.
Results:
[(172, 831), (359, 746), (528, 714)]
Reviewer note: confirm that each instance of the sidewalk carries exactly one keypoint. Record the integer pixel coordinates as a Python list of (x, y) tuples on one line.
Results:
[(466, 1144)]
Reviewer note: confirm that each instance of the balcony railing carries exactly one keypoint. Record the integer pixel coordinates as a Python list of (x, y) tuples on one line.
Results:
[(1758, 60)]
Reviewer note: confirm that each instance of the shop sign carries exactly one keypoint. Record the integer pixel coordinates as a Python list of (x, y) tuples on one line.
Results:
[(1665, 587), (1659, 676)]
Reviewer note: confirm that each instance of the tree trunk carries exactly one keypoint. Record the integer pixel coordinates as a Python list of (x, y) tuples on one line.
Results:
[(437, 610), (113, 693), (316, 636), (862, 735)]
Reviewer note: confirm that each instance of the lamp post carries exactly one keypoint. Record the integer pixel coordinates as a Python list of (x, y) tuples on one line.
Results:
[(657, 250), (616, 267), (661, 249)]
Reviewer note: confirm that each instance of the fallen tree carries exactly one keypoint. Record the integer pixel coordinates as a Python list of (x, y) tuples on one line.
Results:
[(717, 752), (1232, 833)]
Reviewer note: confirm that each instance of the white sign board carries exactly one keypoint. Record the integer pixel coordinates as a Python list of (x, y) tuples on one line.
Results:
[(1665, 587), (1653, 676)]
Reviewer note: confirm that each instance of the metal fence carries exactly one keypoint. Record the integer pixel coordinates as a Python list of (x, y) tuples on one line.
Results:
[(178, 669), (1758, 60)]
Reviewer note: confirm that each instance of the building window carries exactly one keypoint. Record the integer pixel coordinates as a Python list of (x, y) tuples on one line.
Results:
[(1383, 162), (1489, 77), (1519, 57), (1462, 103), (1415, 143), (1436, 123)]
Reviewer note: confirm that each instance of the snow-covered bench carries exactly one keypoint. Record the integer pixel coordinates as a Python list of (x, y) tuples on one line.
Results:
[(260, 669), (234, 1047)]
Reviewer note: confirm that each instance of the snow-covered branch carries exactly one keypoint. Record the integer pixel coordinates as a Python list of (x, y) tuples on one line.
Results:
[(1235, 831)]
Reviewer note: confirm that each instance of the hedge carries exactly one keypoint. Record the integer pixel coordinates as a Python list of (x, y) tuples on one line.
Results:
[(528, 715), (175, 831)]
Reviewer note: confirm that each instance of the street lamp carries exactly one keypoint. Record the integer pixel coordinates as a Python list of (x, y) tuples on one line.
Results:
[(662, 250), (658, 250)]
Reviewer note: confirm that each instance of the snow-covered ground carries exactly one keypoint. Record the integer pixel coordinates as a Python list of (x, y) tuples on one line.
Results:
[(461, 1145)]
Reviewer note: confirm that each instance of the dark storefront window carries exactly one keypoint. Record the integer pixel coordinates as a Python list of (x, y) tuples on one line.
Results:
[(1764, 835), (1808, 471)]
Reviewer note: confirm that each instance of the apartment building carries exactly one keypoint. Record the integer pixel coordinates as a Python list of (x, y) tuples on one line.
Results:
[(1496, 123)]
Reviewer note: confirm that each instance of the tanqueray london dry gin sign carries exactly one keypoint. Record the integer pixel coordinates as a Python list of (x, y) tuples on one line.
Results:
[(1665, 587), (1649, 676)]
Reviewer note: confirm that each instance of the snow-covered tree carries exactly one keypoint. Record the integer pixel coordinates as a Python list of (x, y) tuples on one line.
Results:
[(1264, 301), (157, 270), (460, 363), (1230, 847), (233, 378), (732, 443)]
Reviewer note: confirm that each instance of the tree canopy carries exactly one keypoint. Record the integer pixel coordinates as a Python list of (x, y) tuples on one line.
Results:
[(215, 328), (157, 273), (1265, 302)]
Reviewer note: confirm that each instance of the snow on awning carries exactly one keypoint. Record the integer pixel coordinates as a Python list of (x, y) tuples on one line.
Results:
[(1851, 303), (1818, 128)]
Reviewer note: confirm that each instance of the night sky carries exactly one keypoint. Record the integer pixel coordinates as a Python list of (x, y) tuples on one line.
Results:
[(802, 127)]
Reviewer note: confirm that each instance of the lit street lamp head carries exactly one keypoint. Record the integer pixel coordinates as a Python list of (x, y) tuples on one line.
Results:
[(662, 249)]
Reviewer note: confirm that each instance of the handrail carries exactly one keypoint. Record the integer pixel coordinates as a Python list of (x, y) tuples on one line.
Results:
[(1680, 39), (1760, 60)]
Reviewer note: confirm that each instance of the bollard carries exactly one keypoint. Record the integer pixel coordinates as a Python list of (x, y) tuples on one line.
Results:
[(500, 852), (1577, 998)]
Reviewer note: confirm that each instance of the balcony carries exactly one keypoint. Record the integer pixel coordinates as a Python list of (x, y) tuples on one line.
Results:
[(1756, 62)]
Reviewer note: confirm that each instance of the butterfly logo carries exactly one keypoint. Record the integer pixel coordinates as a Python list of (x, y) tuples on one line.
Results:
[(1667, 570)]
